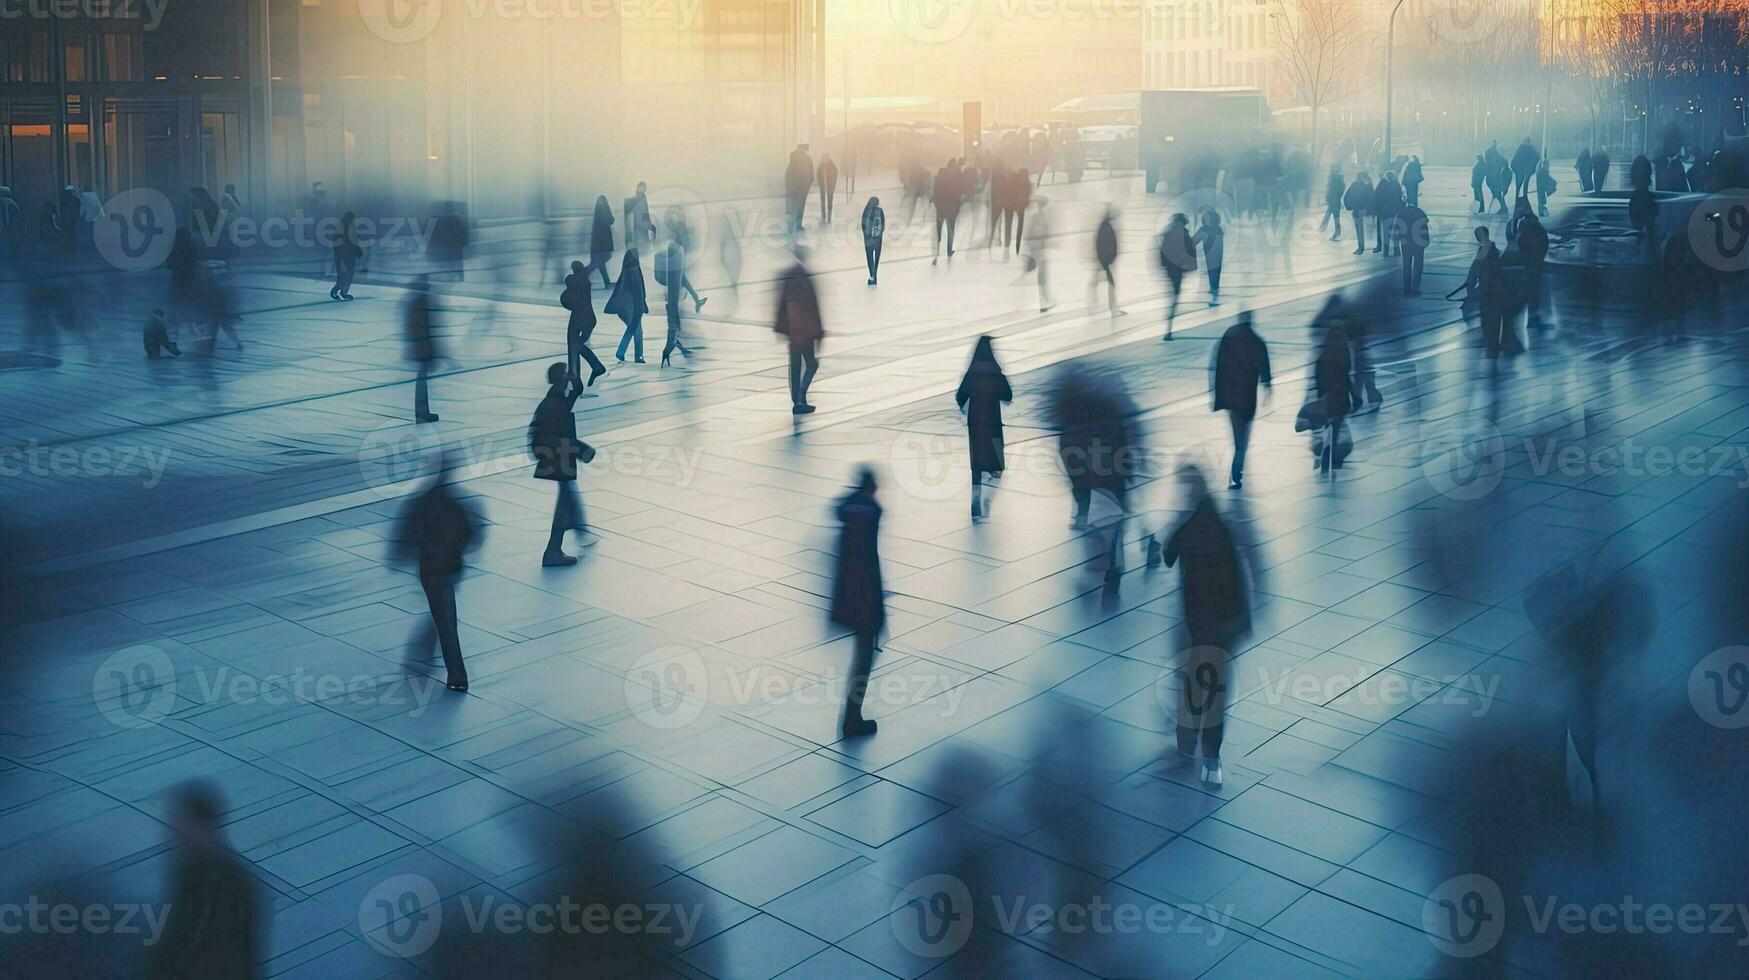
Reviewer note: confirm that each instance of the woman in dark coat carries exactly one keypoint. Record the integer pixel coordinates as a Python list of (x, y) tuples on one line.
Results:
[(552, 438), (858, 597), (1358, 201), (629, 304), (1217, 614), (982, 393), (1412, 180), (1333, 380), (601, 240)]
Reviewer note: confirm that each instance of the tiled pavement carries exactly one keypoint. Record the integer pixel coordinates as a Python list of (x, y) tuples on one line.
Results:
[(658, 724)]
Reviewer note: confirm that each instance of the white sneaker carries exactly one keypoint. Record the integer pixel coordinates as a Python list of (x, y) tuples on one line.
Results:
[(1211, 773)]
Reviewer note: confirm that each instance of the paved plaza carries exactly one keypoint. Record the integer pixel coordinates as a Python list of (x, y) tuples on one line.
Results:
[(656, 728)]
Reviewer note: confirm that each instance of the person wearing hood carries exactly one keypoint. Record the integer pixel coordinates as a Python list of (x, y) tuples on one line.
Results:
[(628, 302), (1358, 201), (858, 594), (600, 241), (982, 393), (874, 228)]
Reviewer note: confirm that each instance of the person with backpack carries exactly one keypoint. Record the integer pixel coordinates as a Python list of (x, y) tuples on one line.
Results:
[(874, 228)]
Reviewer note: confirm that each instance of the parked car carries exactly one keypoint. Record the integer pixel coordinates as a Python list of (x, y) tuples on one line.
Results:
[(1112, 147)]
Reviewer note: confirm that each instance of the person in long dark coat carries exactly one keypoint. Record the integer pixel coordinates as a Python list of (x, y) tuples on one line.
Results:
[(1416, 237), (1599, 170), (799, 322), (1333, 384), (1177, 256), (436, 530), (422, 348), (1358, 201), (1485, 289), (947, 199), (1105, 254), (629, 303), (1412, 181), (1582, 165), (1019, 197), (346, 256), (213, 921), (874, 229), (981, 395), (580, 326), (156, 336), (1533, 251), (1217, 614), (1387, 200), (1241, 364), (552, 438), (601, 240), (1478, 180), (798, 176), (1213, 239), (1334, 188), (827, 178), (858, 596), (1524, 161)]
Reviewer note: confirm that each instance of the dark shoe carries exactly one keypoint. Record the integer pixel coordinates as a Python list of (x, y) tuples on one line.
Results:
[(334, 293), (871, 282), (428, 417), (858, 728), (664, 360), (1235, 484), (556, 558), (461, 686), (698, 304), (1155, 553), (620, 358), (802, 410), (346, 296), (598, 372), (640, 360)]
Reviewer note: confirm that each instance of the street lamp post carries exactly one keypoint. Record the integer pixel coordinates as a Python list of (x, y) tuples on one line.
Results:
[(1390, 44)]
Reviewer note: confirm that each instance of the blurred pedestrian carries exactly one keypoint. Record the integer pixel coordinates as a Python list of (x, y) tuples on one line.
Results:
[(640, 228), (436, 529), (798, 177), (858, 595), (874, 229), (212, 920), (1582, 166), (1241, 364), (578, 299), (1478, 180), (1359, 201), (628, 302), (1334, 188), (156, 336), (827, 178), (1599, 170), (1105, 254), (1533, 251), (946, 198), (600, 241), (1416, 233), (671, 275), (1387, 201), (1038, 251), (1213, 240), (1177, 253), (422, 346), (1412, 180), (798, 321), (983, 391), (552, 438), (1545, 186), (1217, 614), (1485, 291), (1524, 165), (1333, 394), (346, 255)]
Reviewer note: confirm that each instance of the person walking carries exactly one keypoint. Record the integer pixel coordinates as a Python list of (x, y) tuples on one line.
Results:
[(1105, 254), (578, 298), (946, 197), (600, 241), (640, 228), (1479, 180), (983, 391), (1485, 289), (874, 229), (628, 302), (671, 275), (1019, 196), (798, 320), (1334, 188), (1413, 226), (1177, 256), (156, 336), (1359, 200), (828, 181), (798, 177), (1582, 166), (1599, 170), (552, 439), (1241, 364), (1524, 164), (1545, 185), (1039, 251), (436, 530), (1533, 251), (1217, 614), (1213, 240), (1387, 201), (1412, 180), (1333, 387), (422, 346), (346, 256), (858, 595)]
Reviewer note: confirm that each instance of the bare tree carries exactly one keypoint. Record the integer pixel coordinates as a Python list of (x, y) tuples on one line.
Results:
[(1318, 49)]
